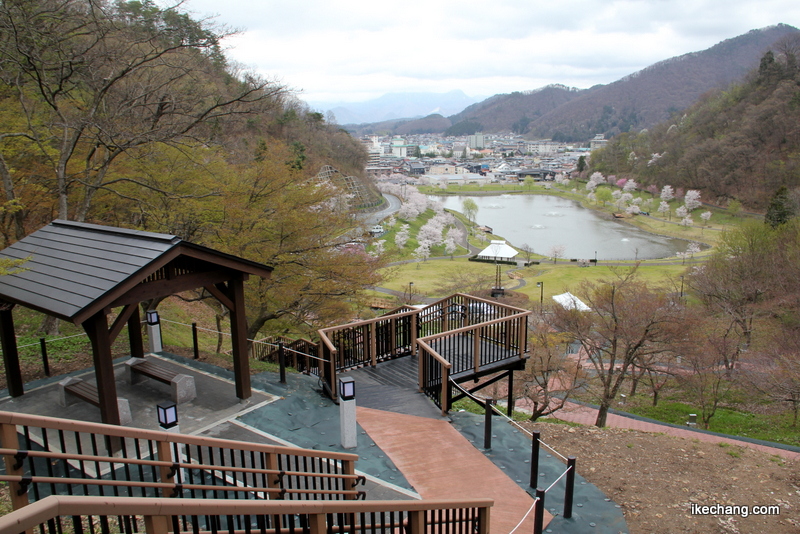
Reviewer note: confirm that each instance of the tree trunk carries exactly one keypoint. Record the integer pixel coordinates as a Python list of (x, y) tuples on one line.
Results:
[(50, 326), (218, 318), (602, 415), (655, 397)]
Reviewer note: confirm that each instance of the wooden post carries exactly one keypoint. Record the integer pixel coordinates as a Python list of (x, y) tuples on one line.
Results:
[(10, 438), (241, 361), (476, 349), (349, 468), (135, 333), (416, 522), (97, 329), (373, 344), (318, 523), (156, 524), (421, 374), (414, 334), (445, 394), (277, 483), (10, 353), (393, 333), (165, 474), (484, 515)]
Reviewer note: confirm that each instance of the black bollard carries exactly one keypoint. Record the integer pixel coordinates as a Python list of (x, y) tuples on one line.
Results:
[(535, 459), (568, 492)]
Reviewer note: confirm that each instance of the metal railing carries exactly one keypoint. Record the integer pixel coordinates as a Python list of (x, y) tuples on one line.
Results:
[(55, 515), (48, 456)]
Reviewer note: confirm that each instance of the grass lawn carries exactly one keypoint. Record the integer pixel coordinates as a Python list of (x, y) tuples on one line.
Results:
[(427, 275), (769, 427)]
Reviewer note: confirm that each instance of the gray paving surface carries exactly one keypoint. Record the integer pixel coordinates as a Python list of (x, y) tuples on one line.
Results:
[(297, 413)]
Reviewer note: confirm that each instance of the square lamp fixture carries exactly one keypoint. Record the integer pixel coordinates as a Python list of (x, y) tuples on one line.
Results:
[(152, 317), (347, 388), (167, 414)]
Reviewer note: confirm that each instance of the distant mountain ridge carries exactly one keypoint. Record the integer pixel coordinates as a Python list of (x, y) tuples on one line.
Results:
[(392, 106), (639, 100)]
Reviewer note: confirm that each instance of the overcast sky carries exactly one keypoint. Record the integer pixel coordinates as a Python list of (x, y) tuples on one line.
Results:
[(355, 50)]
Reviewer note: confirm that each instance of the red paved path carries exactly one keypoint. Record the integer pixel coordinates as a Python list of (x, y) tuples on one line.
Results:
[(441, 464)]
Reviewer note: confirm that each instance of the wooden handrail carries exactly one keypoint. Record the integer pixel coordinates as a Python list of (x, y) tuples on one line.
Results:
[(155, 435), (475, 326), (169, 464), (54, 506), (170, 486), (436, 356)]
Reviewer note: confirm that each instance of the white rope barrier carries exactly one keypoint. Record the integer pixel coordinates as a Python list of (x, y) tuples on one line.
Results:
[(535, 501)]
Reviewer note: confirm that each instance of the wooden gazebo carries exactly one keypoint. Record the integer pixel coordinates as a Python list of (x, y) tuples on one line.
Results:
[(79, 272)]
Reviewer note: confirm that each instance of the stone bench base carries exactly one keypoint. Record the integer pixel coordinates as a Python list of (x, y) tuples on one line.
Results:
[(183, 388), (71, 390)]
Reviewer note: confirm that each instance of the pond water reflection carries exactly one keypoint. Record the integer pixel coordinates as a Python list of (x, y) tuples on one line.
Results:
[(545, 221)]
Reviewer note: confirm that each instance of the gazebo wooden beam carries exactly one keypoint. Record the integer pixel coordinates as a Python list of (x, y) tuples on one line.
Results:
[(99, 335), (10, 353)]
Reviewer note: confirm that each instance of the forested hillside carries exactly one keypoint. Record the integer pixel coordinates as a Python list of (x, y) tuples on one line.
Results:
[(742, 143), (639, 100), (127, 114)]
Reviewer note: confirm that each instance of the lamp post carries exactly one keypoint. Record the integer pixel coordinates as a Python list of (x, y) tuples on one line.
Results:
[(168, 416), (540, 285), (595, 258), (153, 330), (347, 412), (681, 289)]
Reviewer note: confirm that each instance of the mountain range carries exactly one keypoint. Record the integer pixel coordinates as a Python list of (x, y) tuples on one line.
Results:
[(397, 106), (639, 100)]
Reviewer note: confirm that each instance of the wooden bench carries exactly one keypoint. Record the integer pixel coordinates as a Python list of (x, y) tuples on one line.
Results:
[(72, 389), (183, 388)]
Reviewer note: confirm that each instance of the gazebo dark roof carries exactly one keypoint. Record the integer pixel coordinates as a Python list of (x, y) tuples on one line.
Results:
[(76, 269), (78, 272)]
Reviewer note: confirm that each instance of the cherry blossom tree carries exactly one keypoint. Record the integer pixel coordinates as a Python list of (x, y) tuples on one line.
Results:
[(667, 193), (706, 216), (401, 237), (663, 208), (556, 252), (681, 212), (692, 200)]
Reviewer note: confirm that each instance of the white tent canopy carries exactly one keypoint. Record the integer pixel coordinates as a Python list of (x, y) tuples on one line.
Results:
[(570, 302), (498, 250)]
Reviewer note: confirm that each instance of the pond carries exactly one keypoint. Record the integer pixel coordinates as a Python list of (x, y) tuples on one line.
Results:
[(546, 221)]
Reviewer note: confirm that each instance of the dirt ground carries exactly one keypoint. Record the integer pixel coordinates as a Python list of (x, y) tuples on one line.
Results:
[(657, 478)]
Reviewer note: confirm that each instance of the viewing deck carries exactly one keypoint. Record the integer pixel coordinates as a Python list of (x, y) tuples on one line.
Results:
[(456, 339)]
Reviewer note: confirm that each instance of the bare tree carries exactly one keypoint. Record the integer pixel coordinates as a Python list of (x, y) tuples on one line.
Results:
[(776, 370), (627, 322), (551, 376)]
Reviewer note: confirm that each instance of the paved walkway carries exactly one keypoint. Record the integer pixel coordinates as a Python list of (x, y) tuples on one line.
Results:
[(587, 415), (441, 464)]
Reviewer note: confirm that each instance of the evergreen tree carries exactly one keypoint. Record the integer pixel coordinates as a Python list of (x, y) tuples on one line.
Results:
[(780, 208)]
